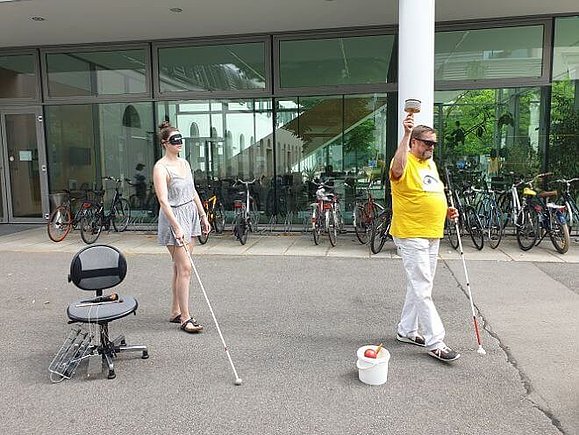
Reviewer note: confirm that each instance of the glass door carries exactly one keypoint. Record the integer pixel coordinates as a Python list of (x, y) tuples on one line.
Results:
[(24, 184)]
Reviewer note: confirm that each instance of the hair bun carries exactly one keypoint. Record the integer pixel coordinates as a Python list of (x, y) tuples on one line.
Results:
[(164, 124)]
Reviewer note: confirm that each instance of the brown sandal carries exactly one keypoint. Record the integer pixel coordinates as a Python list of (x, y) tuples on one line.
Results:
[(176, 319), (194, 328)]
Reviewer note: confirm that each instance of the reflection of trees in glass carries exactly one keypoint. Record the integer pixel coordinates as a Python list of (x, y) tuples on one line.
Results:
[(473, 136), (478, 121), (522, 155), (360, 142), (564, 139)]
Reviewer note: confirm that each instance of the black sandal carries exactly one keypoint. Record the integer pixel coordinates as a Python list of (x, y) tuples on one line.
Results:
[(176, 319), (196, 327)]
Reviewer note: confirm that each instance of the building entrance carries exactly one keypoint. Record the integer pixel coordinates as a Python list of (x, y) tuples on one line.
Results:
[(23, 175)]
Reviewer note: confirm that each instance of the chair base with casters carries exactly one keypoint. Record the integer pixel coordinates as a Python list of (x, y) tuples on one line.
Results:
[(96, 268)]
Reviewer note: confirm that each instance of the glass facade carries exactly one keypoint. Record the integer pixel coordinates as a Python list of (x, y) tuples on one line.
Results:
[(337, 61), (310, 107), (490, 132), (90, 141), (339, 137), (206, 68), (94, 73), (226, 140), (497, 53), (18, 77), (564, 132)]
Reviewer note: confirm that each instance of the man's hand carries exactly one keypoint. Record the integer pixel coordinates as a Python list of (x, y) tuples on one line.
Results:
[(452, 214), (408, 123)]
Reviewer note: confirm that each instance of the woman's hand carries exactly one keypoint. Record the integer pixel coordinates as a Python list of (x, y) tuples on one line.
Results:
[(205, 224), (178, 233)]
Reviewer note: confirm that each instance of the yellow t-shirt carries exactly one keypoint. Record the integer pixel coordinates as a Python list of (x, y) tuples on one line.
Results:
[(418, 201)]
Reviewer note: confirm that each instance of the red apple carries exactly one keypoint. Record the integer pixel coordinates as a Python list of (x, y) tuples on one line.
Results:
[(370, 353)]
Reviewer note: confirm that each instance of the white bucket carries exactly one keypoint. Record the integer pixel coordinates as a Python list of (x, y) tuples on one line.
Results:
[(373, 371)]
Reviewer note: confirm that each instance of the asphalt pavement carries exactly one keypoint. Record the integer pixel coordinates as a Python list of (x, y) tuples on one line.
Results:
[(293, 315)]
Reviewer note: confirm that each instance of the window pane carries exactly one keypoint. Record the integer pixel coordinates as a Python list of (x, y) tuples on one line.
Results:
[(491, 132), (489, 53), (336, 61), (566, 50), (17, 76), (212, 68), (226, 140), (96, 73), (341, 138), (87, 142)]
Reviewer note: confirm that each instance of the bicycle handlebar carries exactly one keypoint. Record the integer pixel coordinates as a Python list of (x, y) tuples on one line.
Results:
[(247, 183), (561, 180), (322, 184)]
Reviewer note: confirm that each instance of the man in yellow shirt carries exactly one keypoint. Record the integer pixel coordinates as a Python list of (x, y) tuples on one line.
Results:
[(419, 210)]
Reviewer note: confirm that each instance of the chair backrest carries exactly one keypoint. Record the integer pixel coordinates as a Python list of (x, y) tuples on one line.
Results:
[(98, 267)]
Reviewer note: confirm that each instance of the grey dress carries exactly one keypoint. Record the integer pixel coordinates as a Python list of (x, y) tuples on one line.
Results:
[(180, 193)]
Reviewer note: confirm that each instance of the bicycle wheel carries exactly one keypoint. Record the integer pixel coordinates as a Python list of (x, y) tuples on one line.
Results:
[(506, 206), (219, 218), (559, 235), (240, 228), (90, 226), (527, 228), (331, 226), (451, 232), (474, 228), (122, 214), (316, 226), (379, 231), (494, 229), (59, 223), (360, 226)]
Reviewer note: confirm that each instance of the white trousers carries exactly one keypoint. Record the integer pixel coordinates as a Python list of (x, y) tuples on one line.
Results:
[(419, 257)]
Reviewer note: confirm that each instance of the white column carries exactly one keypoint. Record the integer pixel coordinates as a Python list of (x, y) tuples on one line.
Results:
[(416, 58)]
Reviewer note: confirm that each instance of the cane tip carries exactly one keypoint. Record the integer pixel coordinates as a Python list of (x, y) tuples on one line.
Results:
[(238, 381)]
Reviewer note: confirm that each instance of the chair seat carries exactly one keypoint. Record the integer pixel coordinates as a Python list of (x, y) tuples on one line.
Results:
[(102, 313)]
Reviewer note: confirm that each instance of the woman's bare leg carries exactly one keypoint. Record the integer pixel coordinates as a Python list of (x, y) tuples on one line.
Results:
[(174, 304)]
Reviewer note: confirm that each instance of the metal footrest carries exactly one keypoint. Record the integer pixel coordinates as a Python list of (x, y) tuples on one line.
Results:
[(75, 348)]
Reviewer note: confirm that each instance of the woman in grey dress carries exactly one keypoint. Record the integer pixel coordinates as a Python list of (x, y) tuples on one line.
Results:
[(179, 220)]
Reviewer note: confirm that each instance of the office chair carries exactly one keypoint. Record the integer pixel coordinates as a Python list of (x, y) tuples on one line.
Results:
[(97, 268)]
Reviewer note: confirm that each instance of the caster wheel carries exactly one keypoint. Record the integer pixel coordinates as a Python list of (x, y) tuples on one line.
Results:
[(123, 342), (145, 354), (112, 374)]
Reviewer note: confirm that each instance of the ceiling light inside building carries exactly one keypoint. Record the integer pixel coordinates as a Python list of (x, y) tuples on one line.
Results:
[(176, 10), (38, 18)]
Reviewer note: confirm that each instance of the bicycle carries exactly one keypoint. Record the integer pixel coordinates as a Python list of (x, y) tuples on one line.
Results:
[(118, 215), (215, 215), (365, 212), (62, 220), (490, 215), (468, 220), (540, 217), (326, 213), (566, 199), (380, 231), (246, 215)]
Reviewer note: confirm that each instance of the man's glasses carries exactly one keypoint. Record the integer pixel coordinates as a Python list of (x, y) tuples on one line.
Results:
[(428, 143), (176, 139)]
